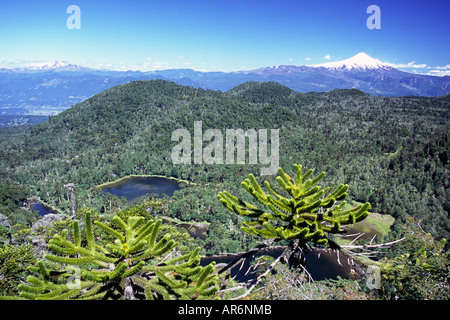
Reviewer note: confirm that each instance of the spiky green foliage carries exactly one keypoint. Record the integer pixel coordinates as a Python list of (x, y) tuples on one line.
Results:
[(418, 267), (308, 212), (139, 264), (14, 260)]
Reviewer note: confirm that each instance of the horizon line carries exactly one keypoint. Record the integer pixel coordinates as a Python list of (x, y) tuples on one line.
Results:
[(440, 71)]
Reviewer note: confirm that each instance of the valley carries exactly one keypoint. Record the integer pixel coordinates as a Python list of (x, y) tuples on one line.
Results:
[(348, 134), (392, 151)]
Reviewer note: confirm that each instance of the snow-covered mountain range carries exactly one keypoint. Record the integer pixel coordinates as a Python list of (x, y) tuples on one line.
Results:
[(55, 66), (52, 87)]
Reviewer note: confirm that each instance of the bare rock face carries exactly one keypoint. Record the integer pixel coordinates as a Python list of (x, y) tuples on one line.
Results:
[(47, 221), (43, 223)]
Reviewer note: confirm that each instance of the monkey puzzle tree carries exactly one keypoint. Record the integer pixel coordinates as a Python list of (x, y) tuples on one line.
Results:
[(139, 264), (305, 213)]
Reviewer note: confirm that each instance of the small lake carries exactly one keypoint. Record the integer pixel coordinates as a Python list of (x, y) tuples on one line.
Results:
[(133, 188), (320, 266), (42, 209)]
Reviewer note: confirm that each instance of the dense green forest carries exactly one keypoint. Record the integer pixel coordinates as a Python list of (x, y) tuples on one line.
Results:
[(392, 151)]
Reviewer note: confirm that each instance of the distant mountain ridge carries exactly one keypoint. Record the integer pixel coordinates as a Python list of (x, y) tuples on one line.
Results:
[(55, 66), (53, 87), (359, 62)]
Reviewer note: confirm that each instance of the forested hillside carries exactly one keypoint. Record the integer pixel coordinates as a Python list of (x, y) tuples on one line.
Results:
[(393, 152)]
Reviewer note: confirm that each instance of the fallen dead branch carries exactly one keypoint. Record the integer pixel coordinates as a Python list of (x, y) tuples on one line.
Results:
[(349, 251)]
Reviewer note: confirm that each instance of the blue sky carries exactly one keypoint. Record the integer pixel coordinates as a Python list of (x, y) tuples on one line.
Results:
[(224, 35)]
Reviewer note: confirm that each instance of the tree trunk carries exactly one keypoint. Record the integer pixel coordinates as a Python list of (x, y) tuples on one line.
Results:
[(71, 186), (295, 254)]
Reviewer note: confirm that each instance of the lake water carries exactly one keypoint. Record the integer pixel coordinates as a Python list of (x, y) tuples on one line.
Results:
[(41, 208), (134, 188), (320, 267)]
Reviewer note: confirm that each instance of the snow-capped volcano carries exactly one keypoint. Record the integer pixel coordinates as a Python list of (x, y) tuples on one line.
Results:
[(360, 61), (360, 72)]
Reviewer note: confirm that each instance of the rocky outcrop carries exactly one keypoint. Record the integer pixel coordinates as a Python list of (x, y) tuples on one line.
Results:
[(4, 222), (43, 223), (47, 221)]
